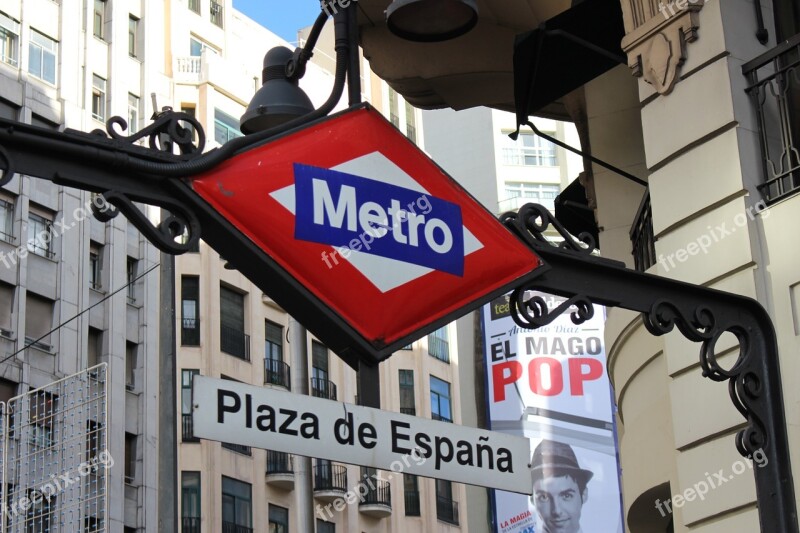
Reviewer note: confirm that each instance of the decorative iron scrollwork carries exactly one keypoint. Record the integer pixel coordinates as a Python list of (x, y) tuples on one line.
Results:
[(532, 312), (532, 221), (176, 128)]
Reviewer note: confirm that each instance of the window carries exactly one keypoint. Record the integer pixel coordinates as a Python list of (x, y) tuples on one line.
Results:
[(197, 47), (40, 234), (6, 220), (187, 426), (225, 127), (407, 405), (39, 514), (411, 494), (42, 61), (98, 98), (133, 36), (394, 114), (99, 18), (411, 123), (446, 508), (93, 524), (529, 150), (321, 387), (38, 321), (43, 408), (190, 317), (131, 361), (275, 371), (133, 113), (520, 193), (95, 266), (7, 292), (132, 271), (440, 400), (233, 339), (130, 458), (94, 347), (190, 502), (217, 14), (9, 40), (325, 527), (236, 506), (194, 5), (278, 519), (438, 345)]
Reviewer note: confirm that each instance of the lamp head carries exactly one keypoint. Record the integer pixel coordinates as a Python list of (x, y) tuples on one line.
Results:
[(431, 20), (279, 99)]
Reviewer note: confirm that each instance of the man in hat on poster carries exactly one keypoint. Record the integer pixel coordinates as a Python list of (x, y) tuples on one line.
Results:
[(559, 487)]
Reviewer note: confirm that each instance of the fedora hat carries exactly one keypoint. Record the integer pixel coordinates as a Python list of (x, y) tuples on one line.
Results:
[(551, 458)]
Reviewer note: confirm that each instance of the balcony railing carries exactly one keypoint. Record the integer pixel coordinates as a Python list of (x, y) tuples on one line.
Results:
[(235, 342), (190, 524), (438, 348), (230, 527), (380, 495), (447, 510), (238, 448), (774, 87), (277, 373), (190, 332), (279, 463), (412, 502), (217, 12), (441, 418), (330, 476), (409, 411), (187, 429), (322, 388), (642, 237)]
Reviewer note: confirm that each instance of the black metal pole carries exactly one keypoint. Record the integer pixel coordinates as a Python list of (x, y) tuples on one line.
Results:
[(354, 57)]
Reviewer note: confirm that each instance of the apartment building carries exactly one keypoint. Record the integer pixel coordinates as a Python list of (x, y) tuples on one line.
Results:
[(75, 64)]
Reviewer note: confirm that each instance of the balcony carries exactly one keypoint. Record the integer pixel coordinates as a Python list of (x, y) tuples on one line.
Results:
[(280, 470), (277, 373), (411, 498), (377, 502), (187, 429), (440, 418), (212, 68), (447, 510), (408, 411), (234, 342), (330, 481), (190, 332), (322, 388), (230, 527), (774, 88), (190, 524), (642, 238), (238, 448)]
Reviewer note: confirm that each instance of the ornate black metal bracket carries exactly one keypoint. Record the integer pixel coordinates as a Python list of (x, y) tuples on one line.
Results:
[(702, 315)]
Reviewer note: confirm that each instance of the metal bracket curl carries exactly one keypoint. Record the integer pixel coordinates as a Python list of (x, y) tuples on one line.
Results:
[(533, 313), (165, 128), (162, 236), (532, 220)]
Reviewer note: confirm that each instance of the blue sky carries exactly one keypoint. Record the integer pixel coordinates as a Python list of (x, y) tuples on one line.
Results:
[(275, 15)]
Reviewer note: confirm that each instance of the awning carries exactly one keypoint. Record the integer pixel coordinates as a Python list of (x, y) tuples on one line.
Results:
[(566, 52)]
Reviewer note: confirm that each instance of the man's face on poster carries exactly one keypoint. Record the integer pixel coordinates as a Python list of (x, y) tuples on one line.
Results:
[(558, 500)]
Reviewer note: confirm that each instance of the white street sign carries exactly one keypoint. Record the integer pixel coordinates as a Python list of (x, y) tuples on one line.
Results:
[(271, 419)]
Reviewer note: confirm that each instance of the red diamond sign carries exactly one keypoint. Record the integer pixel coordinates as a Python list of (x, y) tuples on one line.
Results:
[(364, 220)]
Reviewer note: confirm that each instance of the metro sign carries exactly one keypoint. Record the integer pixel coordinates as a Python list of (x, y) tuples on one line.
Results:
[(362, 219)]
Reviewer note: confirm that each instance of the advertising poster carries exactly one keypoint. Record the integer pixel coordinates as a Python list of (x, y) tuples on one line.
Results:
[(550, 385)]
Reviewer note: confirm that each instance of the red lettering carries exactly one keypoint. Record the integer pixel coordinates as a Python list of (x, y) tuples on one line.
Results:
[(594, 370), (501, 378), (553, 370)]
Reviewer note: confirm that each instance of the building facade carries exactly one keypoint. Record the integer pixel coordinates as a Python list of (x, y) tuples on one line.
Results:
[(75, 292)]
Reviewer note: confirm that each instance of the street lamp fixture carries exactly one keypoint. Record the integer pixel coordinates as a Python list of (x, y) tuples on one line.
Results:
[(280, 98), (428, 21)]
